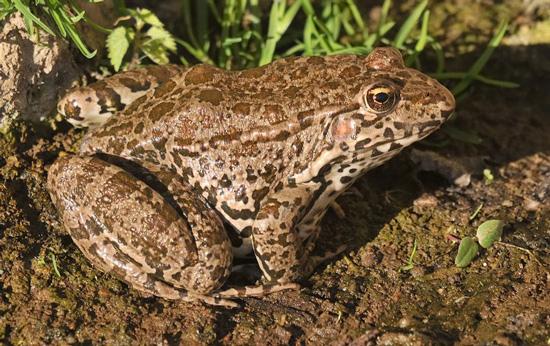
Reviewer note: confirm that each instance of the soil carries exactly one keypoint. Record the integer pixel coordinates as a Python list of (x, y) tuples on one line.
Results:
[(50, 294)]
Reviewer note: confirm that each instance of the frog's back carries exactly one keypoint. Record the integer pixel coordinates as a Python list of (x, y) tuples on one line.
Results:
[(205, 103)]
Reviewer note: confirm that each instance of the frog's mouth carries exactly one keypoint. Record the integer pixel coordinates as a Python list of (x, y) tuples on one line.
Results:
[(397, 144)]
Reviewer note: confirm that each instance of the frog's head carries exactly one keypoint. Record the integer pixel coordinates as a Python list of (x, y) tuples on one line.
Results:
[(395, 106)]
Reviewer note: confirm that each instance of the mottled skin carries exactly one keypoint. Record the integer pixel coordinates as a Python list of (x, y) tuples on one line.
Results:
[(266, 150)]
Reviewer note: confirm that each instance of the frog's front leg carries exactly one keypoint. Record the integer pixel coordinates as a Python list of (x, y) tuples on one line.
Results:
[(123, 226), (283, 242), (94, 104)]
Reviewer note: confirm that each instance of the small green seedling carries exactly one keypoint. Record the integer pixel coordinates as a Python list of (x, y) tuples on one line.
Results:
[(467, 250), (487, 234), (54, 265), (488, 176), (476, 212), (410, 263)]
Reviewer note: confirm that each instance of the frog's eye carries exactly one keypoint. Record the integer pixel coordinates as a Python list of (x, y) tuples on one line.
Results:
[(381, 98)]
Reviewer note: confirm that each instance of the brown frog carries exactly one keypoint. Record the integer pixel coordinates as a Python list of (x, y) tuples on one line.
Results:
[(174, 154)]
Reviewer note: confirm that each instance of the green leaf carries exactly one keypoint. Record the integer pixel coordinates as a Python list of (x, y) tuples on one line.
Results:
[(467, 250), (117, 45), (156, 51), (163, 37), (489, 232), (149, 17)]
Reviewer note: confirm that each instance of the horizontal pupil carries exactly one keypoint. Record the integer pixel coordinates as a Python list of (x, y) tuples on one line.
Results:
[(381, 97)]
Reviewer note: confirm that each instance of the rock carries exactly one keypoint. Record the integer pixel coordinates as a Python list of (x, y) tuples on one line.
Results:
[(32, 72), (455, 170)]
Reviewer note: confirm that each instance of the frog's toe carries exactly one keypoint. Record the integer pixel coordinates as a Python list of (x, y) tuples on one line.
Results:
[(166, 291), (337, 209), (256, 291), (215, 300)]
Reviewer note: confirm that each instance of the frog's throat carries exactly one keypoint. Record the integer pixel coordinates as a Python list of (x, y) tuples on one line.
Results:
[(382, 151)]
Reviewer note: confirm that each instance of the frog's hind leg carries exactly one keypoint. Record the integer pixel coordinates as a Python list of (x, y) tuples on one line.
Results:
[(94, 104), (176, 189), (126, 228)]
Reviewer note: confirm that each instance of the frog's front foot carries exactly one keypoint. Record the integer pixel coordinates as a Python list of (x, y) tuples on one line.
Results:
[(176, 250)]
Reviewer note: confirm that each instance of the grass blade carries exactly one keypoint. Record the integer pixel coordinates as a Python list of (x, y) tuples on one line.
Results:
[(409, 24), (308, 36), (480, 78), (24, 9), (279, 21), (482, 60), (356, 14)]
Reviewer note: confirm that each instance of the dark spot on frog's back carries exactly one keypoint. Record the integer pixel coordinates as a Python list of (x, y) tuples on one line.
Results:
[(333, 85), (135, 105), (112, 133), (139, 128), (160, 110), (282, 135), (291, 91), (258, 195), (160, 145), (252, 73), (274, 113), (213, 96), (315, 60), (201, 74), (241, 108), (135, 85), (350, 72), (225, 182), (165, 89), (163, 73), (107, 98)]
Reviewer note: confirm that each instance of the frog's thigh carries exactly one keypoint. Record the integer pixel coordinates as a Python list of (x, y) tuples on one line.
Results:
[(94, 104), (126, 228)]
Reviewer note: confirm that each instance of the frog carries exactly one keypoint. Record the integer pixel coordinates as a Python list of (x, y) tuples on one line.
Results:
[(182, 170)]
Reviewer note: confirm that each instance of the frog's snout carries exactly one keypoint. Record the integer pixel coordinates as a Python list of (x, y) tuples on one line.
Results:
[(439, 96), (448, 103)]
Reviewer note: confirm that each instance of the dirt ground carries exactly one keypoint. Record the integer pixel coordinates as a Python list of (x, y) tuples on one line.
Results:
[(50, 294)]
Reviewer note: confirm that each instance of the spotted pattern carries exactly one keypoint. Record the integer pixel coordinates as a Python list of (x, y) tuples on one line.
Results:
[(264, 150)]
